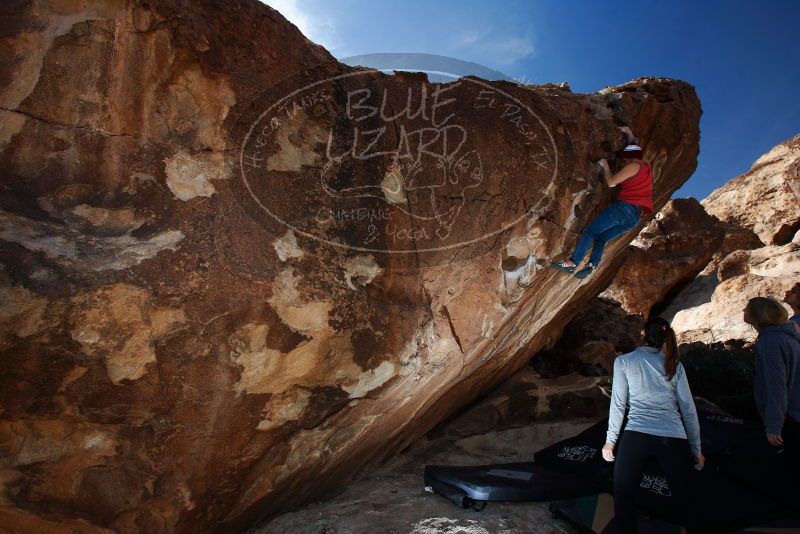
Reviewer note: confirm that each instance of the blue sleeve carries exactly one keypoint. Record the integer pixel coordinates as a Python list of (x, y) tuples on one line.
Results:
[(770, 383), (619, 399), (688, 410)]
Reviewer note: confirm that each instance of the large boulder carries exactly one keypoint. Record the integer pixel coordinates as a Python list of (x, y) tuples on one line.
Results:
[(668, 253), (765, 199), (734, 238), (711, 308), (762, 202), (591, 341), (236, 271)]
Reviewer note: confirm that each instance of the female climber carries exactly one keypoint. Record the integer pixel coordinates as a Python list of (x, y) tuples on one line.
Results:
[(635, 200), (662, 423), (776, 382)]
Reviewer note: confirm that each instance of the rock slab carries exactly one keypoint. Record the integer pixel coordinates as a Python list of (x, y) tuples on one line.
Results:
[(235, 271)]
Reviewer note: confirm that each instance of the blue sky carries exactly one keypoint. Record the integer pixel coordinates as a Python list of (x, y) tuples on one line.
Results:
[(743, 57)]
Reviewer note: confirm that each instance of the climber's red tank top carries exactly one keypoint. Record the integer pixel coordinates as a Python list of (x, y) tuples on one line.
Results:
[(638, 189)]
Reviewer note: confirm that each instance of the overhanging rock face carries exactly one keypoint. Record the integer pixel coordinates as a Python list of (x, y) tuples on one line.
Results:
[(235, 271)]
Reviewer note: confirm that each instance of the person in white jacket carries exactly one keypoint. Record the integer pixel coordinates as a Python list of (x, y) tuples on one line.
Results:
[(662, 423)]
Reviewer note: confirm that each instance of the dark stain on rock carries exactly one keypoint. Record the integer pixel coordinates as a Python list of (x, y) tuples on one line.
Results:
[(324, 402), (280, 336), (367, 349)]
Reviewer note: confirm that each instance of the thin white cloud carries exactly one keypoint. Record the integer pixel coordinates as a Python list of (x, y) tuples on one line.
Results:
[(312, 22), (515, 48), (466, 38), (490, 48), (322, 22)]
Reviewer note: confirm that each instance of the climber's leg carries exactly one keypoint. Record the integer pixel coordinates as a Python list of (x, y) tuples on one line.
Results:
[(606, 219), (625, 217), (585, 241), (597, 250)]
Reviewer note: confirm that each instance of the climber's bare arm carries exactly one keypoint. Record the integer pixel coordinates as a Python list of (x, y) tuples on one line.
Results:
[(612, 180), (631, 138)]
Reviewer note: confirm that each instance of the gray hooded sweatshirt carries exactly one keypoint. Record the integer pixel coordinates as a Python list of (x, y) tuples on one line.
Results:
[(777, 375)]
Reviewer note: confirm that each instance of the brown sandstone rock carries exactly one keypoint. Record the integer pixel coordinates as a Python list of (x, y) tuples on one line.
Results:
[(527, 398), (710, 309), (766, 198), (217, 306), (670, 251), (763, 201), (735, 238), (595, 336)]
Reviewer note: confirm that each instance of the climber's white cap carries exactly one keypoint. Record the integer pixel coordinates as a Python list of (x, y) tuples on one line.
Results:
[(632, 148)]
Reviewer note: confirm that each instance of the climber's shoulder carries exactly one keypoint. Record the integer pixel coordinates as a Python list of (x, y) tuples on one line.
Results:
[(632, 168), (628, 171)]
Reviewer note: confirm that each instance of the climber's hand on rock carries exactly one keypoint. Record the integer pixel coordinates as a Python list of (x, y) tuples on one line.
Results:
[(608, 452), (632, 140), (604, 165)]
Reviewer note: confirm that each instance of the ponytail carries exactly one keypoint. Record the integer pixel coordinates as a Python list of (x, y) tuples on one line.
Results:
[(658, 333)]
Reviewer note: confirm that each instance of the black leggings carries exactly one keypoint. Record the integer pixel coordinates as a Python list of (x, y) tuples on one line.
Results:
[(675, 458), (791, 445)]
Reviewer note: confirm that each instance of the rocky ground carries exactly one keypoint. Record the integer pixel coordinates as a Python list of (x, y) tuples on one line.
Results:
[(392, 499), (522, 416)]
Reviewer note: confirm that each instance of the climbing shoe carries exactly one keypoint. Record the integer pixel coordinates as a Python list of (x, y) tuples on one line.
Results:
[(586, 271), (563, 266)]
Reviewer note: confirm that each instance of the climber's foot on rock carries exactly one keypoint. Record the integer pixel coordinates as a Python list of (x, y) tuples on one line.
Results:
[(586, 271), (564, 266)]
